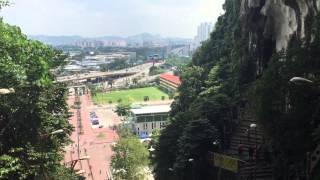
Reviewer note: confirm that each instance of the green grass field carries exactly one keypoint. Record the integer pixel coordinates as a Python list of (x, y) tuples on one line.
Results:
[(130, 96)]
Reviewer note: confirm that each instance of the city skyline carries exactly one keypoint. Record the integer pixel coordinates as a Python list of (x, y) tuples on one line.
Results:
[(111, 18)]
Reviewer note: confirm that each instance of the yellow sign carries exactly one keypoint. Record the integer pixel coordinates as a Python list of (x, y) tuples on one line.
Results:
[(226, 162)]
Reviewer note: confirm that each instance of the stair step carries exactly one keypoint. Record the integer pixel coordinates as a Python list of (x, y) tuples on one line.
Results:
[(262, 170)]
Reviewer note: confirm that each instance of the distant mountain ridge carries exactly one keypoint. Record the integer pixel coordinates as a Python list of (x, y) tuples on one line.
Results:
[(69, 40)]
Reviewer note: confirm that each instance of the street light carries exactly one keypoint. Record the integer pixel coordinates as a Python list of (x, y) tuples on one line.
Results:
[(300, 80), (192, 168), (74, 162), (215, 143), (80, 172), (304, 81), (45, 136), (57, 132), (151, 149), (6, 91), (253, 125), (84, 158)]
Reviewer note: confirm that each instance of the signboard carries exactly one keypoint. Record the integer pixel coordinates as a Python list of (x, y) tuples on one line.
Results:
[(226, 162)]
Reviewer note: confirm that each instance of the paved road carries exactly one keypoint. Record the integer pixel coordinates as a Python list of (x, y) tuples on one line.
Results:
[(132, 70), (142, 74), (94, 142)]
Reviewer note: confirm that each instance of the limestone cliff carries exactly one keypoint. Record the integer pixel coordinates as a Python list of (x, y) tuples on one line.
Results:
[(270, 25)]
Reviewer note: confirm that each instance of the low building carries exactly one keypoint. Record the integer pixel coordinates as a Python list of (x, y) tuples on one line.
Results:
[(169, 82), (148, 118), (88, 43)]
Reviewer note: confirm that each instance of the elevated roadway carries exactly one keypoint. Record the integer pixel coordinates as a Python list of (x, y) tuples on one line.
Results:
[(94, 76)]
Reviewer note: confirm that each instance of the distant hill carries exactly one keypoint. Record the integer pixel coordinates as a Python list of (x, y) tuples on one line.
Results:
[(56, 40), (139, 38)]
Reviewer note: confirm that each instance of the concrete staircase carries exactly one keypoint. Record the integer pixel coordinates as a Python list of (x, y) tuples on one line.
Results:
[(250, 168)]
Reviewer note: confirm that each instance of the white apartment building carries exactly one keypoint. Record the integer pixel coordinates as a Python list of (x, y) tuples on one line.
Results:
[(203, 34), (115, 43), (148, 118)]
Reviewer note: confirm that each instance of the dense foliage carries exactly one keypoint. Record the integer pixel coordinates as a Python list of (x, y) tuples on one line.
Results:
[(178, 61), (291, 111), (36, 108), (238, 65), (131, 157), (123, 109), (202, 112), (155, 70)]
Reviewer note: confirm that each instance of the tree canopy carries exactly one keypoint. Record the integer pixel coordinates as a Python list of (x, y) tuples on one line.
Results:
[(239, 64), (130, 160), (36, 108)]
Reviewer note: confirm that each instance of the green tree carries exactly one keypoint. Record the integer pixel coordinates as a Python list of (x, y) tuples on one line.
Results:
[(37, 108), (123, 109), (93, 90), (135, 81), (104, 67), (4, 3), (130, 159), (194, 143), (110, 82), (240, 64), (206, 98)]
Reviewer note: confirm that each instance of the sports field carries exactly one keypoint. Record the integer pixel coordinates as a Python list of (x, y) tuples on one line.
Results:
[(129, 96)]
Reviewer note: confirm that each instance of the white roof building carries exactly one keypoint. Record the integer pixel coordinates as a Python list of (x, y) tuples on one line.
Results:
[(148, 118), (151, 109)]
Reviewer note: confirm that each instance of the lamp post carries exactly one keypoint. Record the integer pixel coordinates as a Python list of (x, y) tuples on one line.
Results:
[(191, 161), (74, 162), (253, 125), (300, 80), (216, 143), (304, 81), (151, 149), (81, 171), (59, 131)]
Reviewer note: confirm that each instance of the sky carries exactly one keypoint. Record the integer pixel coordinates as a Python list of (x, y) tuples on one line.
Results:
[(93, 18)]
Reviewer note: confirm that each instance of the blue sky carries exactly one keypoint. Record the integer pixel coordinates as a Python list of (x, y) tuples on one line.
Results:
[(173, 18)]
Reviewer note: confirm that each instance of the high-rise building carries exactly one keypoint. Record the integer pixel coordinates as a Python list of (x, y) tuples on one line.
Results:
[(204, 31), (203, 34)]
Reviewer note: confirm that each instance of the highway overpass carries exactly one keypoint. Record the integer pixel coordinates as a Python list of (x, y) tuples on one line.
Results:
[(94, 77)]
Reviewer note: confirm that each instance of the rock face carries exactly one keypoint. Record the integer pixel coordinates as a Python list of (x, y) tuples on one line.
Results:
[(271, 25)]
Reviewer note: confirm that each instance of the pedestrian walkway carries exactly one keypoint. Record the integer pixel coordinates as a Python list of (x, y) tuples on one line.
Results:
[(95, 143)]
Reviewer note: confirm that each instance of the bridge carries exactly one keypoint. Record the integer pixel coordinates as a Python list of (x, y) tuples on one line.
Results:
[(95, 77)]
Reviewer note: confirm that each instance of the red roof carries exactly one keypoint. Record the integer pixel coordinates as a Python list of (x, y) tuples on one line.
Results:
[(171, 78)]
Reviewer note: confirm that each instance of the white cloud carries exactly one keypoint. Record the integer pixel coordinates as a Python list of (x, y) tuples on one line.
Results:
[(110, 17)]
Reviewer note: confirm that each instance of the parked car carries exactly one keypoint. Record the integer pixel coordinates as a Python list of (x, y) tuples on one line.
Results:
[(95, 122)]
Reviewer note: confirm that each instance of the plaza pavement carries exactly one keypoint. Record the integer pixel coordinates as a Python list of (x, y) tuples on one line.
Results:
[(94, 142)]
